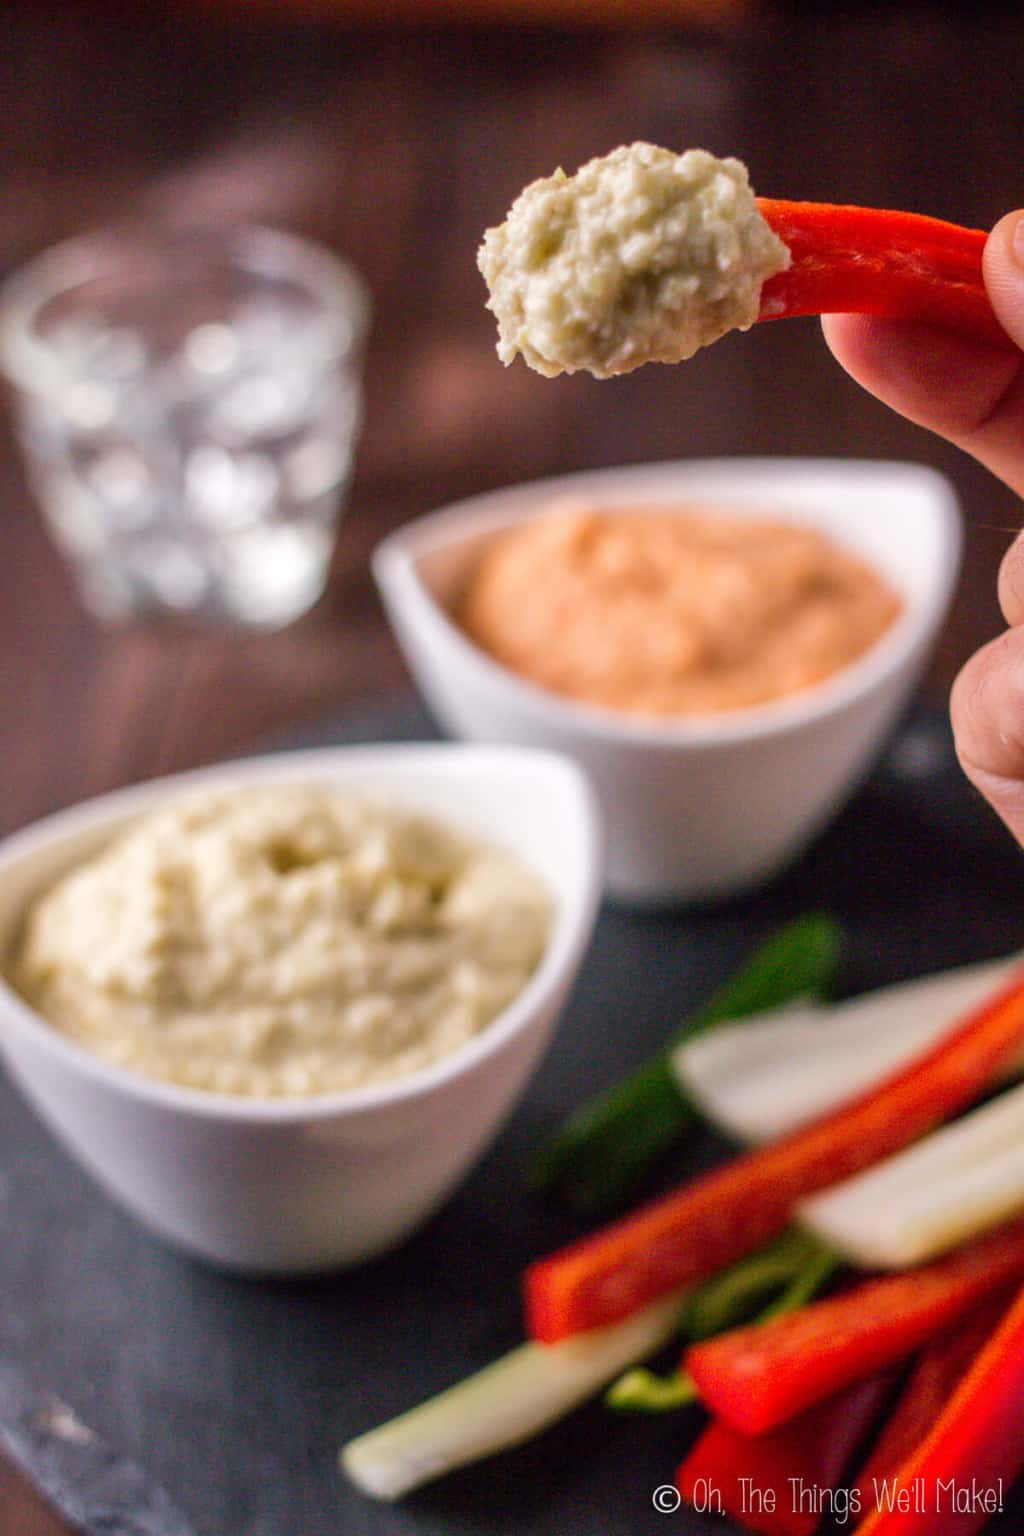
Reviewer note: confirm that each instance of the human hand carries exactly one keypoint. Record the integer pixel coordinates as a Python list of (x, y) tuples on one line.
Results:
[(973, 395)]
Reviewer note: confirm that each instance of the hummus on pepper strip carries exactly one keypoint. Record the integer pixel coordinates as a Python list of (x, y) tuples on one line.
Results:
[(643, 256), (283, 941)]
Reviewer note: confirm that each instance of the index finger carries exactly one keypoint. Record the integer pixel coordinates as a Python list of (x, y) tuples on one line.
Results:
[(968, 392)]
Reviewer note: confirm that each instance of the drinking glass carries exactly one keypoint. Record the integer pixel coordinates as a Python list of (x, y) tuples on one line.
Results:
[(188, 403)]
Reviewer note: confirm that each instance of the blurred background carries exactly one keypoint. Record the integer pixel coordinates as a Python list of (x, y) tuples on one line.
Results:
[(394, 133)]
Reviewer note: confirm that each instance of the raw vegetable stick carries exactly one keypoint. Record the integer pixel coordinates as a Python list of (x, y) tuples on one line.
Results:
[(797, 1259), (500, 1406), (758, 1377), (931, 1384), (951, 1186), (779, 1484), (516, 1397), (976, 1447), (597, 1157), (766, 1078), (795, 1266), (879, 261), (688, 1235)]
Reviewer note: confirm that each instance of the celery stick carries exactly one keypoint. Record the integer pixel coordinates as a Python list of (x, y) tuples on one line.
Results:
[(596, 1159), (507, 1402), (758, 1082), (946, 1189)]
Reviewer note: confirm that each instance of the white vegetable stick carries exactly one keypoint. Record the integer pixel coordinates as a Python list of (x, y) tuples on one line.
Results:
[(507, 1402), (762, 1078), (955, 1184)]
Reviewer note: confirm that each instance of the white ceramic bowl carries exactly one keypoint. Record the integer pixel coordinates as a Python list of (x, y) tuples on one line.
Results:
[(697, 808), (288, 1186)]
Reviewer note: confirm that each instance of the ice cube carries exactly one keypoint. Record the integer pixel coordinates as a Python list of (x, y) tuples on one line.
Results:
[(262, 403), (211, 349), (176, 575), (89, 405), (228, 491), (126, 485), (119, 354)]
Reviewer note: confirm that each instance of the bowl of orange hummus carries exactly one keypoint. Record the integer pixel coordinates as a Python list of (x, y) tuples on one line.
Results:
[(722, 645), (672, 612)]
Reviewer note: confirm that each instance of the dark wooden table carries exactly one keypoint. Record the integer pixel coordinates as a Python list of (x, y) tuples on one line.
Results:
[(397, 149)]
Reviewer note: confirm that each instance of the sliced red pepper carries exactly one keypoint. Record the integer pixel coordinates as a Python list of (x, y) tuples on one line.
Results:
[(688, 1235), (757, 1377), (929, 1388), (973, 1453), (879, 261), (783, 1484)]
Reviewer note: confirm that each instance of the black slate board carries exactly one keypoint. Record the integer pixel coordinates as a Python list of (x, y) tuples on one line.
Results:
[(235, 1395)]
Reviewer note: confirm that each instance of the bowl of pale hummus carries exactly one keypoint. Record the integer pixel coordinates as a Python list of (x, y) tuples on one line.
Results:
[(278, 1008), (722, 645)]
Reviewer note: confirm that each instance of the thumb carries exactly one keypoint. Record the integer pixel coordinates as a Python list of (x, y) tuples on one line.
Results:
[(995, 435), (1003, 268)]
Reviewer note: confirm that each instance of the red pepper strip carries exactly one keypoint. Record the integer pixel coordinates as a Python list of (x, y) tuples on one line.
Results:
[(760, 1376), (689, 1235), (879, 262), (932, 1383), (783, 1484), (973, 1453)]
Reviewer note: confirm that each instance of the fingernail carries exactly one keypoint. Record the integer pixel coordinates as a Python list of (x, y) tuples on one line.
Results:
[(1017, 243)]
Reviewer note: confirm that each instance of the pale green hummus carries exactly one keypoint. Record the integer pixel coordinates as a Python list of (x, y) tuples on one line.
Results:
[(643, 256)]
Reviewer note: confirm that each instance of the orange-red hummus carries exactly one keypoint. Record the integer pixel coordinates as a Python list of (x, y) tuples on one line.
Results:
[(672, 611)]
